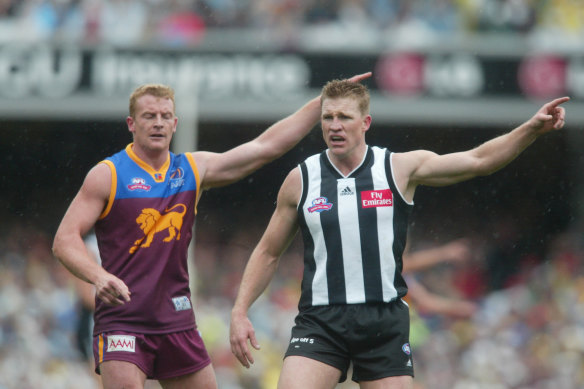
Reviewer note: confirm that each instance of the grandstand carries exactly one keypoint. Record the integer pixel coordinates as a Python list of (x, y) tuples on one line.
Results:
[(448, 75)]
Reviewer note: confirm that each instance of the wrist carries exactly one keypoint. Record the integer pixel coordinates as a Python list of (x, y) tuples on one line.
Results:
[(238, 311)]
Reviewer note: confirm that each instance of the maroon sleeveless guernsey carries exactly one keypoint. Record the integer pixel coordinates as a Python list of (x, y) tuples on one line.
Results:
[(143, 237)]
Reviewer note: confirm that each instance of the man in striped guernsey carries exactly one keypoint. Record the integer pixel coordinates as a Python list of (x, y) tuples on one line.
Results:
[(142, 202), (351, 203)]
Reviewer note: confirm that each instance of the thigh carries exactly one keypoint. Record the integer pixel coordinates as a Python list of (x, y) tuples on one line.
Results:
[(202, 379), (301, 373), (380, 343), (318, 335), (180, 354), (399, 382), (121, 374)]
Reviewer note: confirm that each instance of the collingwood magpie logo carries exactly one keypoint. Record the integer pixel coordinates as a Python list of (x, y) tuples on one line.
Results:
[(347, 192)]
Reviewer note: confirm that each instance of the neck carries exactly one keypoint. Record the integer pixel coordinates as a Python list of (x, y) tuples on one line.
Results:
[(154, 158), (347, 163)]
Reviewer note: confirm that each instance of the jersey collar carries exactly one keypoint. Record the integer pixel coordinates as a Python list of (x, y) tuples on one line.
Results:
[(157, 175)]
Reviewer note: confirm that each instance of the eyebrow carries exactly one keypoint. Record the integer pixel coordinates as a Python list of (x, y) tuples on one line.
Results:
[(154, 112)]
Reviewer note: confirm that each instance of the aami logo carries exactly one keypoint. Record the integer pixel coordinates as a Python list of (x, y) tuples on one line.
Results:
[(138, 183), (376, 198), (121, 343)]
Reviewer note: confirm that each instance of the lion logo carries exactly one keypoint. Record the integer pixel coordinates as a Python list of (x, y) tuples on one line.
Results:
[(151, 222)]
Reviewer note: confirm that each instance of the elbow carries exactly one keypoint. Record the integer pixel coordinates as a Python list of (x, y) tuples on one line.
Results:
[(487, 170), (269, 259), (483, 172), (56, 253), (266, 158), (269, 155), (57, 247), (482, 168)]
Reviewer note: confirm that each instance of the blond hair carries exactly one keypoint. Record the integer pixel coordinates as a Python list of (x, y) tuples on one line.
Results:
[(156, 90), (338, 89)]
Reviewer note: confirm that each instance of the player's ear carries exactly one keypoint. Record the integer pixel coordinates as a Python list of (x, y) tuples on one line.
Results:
[(366, 123), (130, 123)]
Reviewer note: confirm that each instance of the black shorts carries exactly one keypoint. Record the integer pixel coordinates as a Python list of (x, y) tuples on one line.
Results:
[(374, 337)]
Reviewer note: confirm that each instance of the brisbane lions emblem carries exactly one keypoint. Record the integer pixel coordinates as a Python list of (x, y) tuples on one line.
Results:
[(151, 222)]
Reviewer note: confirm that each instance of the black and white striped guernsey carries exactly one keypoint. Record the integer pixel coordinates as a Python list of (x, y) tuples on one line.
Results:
[(354, 230)]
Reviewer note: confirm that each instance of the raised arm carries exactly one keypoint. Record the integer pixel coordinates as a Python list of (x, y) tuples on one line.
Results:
[(262, 265), (68, 245), (427, 168), (218, 169)]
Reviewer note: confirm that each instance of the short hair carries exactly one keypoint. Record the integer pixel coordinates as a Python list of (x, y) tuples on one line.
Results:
[(337, 89), (156, 90)]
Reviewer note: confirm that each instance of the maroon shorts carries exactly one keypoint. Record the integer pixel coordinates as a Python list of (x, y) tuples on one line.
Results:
[(159, 356)]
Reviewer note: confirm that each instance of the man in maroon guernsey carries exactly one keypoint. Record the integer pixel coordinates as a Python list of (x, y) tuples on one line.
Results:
[(141, 203)]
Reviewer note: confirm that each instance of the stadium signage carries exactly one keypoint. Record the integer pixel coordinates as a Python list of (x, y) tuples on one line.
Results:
[(468, 75), (59, 72), (39, 70), (459, 74), (53, 71), (215, 76)]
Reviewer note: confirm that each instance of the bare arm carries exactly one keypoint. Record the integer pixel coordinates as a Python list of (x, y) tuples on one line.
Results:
[(454, 251), (262, 265), (423, 167), (430, 303), (218, 169), (68, 245)]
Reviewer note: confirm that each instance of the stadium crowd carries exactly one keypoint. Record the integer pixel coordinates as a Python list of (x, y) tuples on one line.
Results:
[(184, 22), (527, 333)]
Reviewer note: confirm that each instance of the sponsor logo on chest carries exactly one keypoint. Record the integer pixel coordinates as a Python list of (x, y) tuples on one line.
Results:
[(376, 198)]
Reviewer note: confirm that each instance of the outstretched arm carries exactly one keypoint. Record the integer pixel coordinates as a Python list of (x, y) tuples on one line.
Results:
[(262, 265), (454, 251), (427, 302), (218, 169), (68, 245), (427, 168)]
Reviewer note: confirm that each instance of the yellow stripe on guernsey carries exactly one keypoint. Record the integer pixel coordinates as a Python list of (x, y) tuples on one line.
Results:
[(114, 185), (157, 175), (193, 164)]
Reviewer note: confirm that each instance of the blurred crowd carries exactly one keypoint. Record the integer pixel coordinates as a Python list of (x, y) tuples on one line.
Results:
[(185, 22), (39, 314), (528, 331)]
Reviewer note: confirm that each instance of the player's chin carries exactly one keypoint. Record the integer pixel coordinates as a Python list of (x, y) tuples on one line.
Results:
[(159, 142), (158, 138), (337, 148)]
